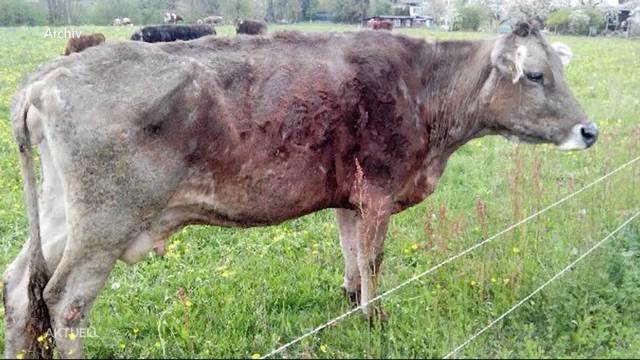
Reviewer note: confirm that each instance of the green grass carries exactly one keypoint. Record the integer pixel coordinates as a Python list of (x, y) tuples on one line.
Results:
[(245, 292)]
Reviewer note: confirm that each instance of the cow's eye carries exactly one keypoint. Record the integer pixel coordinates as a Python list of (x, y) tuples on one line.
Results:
[(536, 77)]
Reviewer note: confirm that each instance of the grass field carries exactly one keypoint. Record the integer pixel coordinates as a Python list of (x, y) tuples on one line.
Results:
[(222, 292)]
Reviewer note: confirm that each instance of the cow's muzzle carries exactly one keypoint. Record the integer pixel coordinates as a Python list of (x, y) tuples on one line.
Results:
[(582, 136)]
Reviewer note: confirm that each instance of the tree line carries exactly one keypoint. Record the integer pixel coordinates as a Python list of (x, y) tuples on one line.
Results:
[(102, 12), (560, 16)]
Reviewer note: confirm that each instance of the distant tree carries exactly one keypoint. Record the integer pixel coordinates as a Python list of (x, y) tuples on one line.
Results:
[(532, 10), (150, 11), (233, 9), (579, 22), (437, 9), (596, 17), (307, 8), (380, 7), (288, 10), (18, 12), (558, 21), (350, 10), (471, 17), (208, 7), (104, 11), (575, 21), (590, 3), (401, 11)]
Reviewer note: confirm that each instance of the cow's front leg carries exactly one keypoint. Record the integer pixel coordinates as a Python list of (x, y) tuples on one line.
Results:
[(372, 227), (347, 221)]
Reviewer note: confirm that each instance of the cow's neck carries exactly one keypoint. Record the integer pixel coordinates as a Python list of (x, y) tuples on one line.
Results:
[(454, 111)]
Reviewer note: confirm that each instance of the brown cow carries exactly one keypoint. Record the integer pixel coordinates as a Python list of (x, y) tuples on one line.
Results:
[(139, 140), (250, 27), (82, 42), (377, 24)]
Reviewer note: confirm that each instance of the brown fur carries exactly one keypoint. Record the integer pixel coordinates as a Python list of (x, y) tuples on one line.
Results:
[(82, 42), (251, 27), (381, 24)]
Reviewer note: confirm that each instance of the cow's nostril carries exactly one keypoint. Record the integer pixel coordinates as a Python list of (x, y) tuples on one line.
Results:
[(589, 134)]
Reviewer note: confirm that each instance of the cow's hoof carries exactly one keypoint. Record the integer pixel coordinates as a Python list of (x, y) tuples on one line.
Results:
[(380, 315), (376, 316), (353, 296)]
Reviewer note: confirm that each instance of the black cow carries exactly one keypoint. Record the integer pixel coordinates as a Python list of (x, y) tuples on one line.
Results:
[(168, 33)]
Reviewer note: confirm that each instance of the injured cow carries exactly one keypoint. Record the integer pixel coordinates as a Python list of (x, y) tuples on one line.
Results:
[(168, 33), (229, 132)]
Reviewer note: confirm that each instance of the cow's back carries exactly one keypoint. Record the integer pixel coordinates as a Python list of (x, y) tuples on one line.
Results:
[(238, 126)]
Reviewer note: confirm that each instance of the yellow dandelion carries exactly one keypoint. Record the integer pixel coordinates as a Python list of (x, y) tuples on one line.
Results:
[(493, 280), (323, 348), (71, 336), (255, 356)]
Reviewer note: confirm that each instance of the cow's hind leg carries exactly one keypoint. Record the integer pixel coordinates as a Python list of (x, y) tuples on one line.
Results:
[(18, 337), (71, 293), (94, 244), (16, 306), (347, 221)]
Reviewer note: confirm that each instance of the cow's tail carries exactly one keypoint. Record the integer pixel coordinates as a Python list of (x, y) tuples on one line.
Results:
[(38, 326)]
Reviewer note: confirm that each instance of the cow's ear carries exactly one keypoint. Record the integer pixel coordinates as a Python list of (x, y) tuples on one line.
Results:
[(564, 52), (509, 59)]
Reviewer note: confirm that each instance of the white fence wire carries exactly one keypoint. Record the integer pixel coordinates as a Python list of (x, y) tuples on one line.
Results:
[(445, 262), (525, 299)]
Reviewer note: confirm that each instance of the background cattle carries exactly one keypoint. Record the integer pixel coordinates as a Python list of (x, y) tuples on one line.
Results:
[(82, 42), (117, 21), (168, 33), (250, 27), (213, 20), (126, 21), (171, 18), (378, 24)]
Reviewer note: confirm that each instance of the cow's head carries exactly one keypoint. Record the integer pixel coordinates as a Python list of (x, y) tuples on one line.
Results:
[(529, 99)]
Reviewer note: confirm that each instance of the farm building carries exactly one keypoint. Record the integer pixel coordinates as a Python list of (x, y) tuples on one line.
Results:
[(623, 18), (401, 21)]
